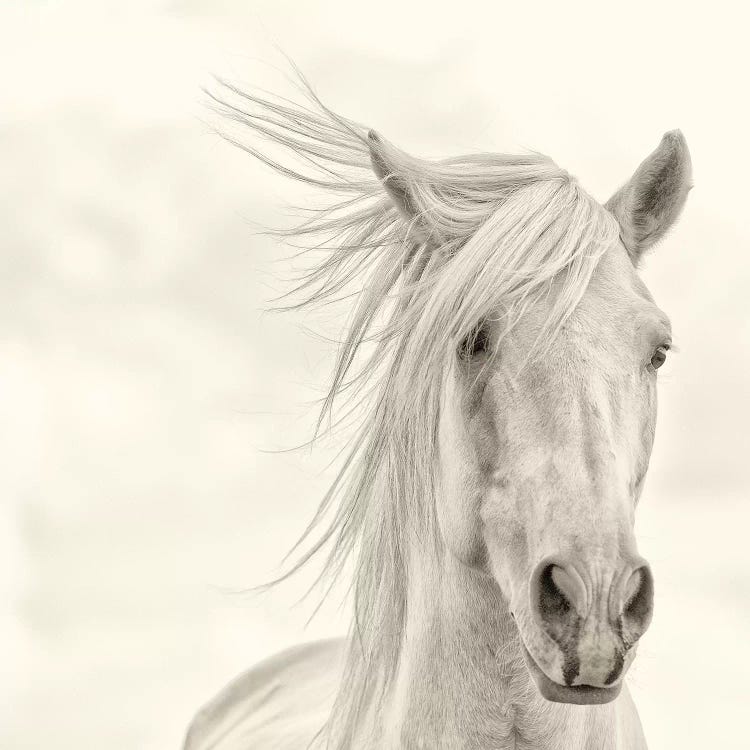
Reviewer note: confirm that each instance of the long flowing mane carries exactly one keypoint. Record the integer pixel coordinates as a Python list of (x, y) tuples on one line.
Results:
[(502, 229)]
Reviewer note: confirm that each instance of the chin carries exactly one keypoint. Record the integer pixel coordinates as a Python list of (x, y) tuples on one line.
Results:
[(581, 695)]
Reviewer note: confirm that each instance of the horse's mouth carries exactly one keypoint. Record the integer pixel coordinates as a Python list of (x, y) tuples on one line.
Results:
[(583, 695)]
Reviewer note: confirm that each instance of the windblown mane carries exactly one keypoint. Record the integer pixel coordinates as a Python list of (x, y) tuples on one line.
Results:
[(502, 229)]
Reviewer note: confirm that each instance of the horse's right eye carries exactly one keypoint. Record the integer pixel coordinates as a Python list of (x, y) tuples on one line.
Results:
[(475, 344)]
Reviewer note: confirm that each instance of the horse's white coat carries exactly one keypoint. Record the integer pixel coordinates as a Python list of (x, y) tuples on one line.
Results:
[(473, 470), (281, 703)]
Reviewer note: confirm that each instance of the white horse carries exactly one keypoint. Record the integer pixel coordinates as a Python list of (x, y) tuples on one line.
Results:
[(503, 354)]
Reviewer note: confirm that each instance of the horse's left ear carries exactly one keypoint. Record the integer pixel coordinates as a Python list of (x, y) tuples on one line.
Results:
[(649, 204)]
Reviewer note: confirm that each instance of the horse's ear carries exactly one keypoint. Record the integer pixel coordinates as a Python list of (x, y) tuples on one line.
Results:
[(649, 204), (391, 167)]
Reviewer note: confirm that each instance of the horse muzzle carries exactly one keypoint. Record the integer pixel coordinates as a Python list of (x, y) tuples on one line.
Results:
[(590, 619)]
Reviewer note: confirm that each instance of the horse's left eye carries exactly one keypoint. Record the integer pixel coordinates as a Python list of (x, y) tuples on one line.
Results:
[(659, 357)]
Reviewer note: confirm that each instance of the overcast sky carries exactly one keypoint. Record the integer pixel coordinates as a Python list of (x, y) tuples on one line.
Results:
[(141, 382)]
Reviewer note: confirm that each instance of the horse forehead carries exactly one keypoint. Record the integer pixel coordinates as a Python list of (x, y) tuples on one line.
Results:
[(616, 280), (615, 297), (614, 313)]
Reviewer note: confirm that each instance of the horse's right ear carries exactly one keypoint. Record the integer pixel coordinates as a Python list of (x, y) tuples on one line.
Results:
[(391, 167), (651, 201)]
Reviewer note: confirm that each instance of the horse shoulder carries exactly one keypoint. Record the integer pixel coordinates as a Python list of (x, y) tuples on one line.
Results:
[(281, 703)]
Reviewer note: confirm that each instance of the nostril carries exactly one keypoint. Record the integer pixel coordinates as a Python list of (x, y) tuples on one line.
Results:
[(555, 593), (553, 600), (639, 600), (567, 585)]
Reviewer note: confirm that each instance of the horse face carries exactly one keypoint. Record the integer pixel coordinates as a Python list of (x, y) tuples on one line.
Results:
[(544, 458), (543, 450)]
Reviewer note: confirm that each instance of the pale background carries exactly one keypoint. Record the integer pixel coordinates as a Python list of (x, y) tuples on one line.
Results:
[(140, 380)]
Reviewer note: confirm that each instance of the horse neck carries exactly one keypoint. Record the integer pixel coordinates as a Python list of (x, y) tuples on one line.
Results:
[(459, 655)]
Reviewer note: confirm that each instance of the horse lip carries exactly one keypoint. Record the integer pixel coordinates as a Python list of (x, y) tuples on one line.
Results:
[(582, 695)]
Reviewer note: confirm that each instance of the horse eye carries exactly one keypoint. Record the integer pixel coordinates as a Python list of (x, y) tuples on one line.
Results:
[(659, 357), (476, 343)]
